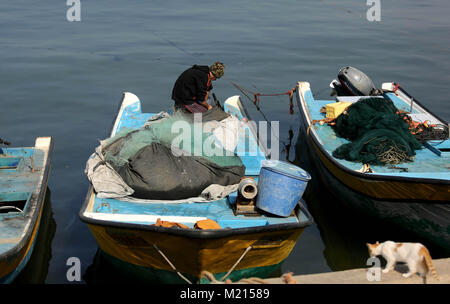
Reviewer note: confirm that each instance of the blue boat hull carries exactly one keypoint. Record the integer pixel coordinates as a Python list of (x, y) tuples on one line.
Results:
[(23, 186), (9, 278)]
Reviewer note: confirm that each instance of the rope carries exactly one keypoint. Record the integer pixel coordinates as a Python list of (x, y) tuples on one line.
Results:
[(256, 101), (257, 105), (391, 153), (286, 278), (365, 169), (431, 132), (424, 131), (330, 121), (237, 262), (10, 207), (171, 265), (257, 96), (252, 280), (287, 147)]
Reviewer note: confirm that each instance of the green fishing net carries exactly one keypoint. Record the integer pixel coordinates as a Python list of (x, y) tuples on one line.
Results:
[(378, 133), (178, 131)]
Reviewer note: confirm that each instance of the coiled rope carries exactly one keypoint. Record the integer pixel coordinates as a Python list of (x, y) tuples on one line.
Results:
[(286, 278)]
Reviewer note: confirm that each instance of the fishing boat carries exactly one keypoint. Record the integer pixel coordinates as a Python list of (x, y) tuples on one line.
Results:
[(245, 245), (23, 184), (413, 196)]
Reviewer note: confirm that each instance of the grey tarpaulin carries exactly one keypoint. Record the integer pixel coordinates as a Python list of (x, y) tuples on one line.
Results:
[(108, 184), (111, 180), (105, 180), (154, 172)]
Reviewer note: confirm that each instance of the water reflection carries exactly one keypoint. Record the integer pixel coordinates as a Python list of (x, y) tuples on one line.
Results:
[(345, 233), (102, 271), (36, 270)]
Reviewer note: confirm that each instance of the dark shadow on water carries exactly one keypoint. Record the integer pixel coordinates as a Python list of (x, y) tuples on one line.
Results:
[(102, 271), (36, 270)]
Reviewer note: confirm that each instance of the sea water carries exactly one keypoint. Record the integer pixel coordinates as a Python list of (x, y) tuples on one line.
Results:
[(63, 70)]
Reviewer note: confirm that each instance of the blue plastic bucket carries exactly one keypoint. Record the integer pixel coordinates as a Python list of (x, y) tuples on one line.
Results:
[(280, 186)]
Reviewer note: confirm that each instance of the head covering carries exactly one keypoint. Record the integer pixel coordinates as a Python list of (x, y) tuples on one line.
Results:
[(217, 69)]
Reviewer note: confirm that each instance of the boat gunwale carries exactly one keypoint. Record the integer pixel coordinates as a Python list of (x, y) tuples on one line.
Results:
[(251, 127), (40, 198), (196, 233), (372, 176), (418, 103)]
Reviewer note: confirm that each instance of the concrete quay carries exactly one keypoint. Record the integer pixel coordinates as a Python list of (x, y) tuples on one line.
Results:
[(360, 276)]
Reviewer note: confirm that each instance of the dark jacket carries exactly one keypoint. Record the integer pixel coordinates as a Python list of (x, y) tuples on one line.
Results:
[(191, 86)]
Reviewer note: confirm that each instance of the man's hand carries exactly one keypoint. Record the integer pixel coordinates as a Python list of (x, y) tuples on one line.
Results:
[(206, 105)]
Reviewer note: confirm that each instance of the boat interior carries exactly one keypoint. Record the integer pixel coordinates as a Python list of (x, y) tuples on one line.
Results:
[(222, 211), (427, 163), (19, 171)]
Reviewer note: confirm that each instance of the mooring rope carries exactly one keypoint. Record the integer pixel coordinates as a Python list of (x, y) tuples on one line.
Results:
[(171, 265), (256, 101), (237, 262), (257, 96), (286, 278)]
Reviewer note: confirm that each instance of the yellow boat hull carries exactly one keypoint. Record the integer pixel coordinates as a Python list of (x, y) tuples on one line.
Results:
[(190, 256)]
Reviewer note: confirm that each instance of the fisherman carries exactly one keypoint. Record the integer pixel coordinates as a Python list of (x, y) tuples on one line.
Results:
[(191, 90)]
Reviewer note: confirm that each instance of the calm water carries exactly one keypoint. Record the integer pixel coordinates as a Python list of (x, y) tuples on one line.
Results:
[(65, 79)]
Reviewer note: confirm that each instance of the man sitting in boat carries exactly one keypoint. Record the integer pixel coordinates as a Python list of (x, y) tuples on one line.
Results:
[(191, 90)]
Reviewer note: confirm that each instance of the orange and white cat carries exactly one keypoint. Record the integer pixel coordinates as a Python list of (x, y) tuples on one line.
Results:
[(415, 255)]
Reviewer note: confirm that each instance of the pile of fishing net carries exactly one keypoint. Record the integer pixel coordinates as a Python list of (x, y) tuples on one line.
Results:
[(378, 133), (173, 157)]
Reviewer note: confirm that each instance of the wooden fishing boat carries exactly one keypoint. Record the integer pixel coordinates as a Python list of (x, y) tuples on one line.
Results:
[(245, 246), (23, 183), (413, 196)]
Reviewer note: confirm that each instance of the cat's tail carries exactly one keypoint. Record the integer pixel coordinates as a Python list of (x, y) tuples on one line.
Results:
[(425, 254)]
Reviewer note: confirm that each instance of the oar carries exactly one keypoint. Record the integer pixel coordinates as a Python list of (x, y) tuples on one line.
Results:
[(431, 148)]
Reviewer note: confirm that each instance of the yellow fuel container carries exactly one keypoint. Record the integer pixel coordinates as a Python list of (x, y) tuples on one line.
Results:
[(336, 108)]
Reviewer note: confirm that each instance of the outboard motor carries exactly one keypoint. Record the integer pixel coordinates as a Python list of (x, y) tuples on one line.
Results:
[(353, 82)]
